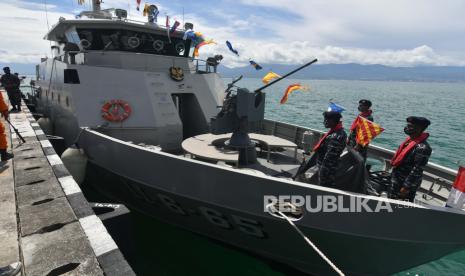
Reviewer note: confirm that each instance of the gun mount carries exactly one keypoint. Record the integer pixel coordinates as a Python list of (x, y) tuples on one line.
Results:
[(241, 113)]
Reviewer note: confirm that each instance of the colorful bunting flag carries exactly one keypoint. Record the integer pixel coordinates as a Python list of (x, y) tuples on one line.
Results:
[(174, 27), (270, 76), (151, 11), (255, 65), (189, 35), (167, 25), (335, 107), (291, 88), (203, 43), (231, 48), (366, 130), (198, 38), (145, 11), (457, 193)]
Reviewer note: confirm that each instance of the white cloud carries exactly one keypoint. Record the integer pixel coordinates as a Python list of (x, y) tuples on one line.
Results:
[(395, 33), (23, 27), (301, 51)]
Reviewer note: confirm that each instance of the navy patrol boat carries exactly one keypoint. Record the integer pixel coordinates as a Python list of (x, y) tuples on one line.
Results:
[(157, 127)]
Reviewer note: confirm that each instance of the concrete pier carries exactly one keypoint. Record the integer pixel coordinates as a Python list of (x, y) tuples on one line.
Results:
[(45, 220)]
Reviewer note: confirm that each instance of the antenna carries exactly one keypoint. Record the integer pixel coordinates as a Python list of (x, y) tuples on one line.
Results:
[(96, 5), (46, 14), (288, 74), (48, 25)]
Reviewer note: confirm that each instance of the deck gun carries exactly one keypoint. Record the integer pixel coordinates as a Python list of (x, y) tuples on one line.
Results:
[(242, 112)]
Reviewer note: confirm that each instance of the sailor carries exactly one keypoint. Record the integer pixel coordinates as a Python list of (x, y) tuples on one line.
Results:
[(11, 84), (410, 159), (365, 112), (329, 148), (3, 140)]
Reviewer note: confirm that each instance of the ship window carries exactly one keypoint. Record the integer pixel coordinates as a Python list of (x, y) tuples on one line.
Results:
[(71, 76), (133, 41)]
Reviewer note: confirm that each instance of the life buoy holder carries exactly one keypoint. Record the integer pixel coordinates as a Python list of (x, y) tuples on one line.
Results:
[(158, 45), (116, 111), (180, 47), (85, 43), (133, 42)]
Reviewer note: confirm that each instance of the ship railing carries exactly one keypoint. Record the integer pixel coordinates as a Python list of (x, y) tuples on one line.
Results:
[(161, 26), (143, 23), (203, 67), (440, 176)]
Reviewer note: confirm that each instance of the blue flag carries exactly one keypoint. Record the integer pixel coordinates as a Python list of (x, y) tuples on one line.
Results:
[(255, 65), (335, 107), (231, 48)]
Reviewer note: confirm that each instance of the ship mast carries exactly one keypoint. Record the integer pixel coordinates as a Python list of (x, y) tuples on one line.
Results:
[(95, 5)]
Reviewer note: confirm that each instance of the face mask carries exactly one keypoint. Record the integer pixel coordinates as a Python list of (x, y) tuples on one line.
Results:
[(408, 130)]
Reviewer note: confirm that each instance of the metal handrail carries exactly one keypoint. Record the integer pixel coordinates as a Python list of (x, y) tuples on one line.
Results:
[(383, 154)]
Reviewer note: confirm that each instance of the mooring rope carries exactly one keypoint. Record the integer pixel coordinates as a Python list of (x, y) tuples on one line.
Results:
[(322, 255)]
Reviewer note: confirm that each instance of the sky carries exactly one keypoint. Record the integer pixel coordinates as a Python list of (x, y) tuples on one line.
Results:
[(389, 32)]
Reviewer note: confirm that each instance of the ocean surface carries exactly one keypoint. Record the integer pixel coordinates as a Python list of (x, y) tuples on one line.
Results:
[(165, 250)]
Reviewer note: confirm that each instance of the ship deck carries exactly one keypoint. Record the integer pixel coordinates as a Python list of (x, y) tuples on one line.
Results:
[(283, 162)]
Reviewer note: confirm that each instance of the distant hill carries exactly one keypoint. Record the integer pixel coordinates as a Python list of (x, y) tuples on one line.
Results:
[(356, 72), (349, 71)]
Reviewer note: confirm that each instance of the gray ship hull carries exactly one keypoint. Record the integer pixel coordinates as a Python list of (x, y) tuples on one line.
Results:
[(227, 205)]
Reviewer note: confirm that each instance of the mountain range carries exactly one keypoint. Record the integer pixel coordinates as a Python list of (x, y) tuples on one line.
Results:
[(350, 71), (354, 71)]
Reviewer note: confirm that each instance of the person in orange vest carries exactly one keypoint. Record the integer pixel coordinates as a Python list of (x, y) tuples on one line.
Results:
[(3, 141)]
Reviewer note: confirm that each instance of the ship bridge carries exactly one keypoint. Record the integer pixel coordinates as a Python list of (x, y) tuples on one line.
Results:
[(115, 34)]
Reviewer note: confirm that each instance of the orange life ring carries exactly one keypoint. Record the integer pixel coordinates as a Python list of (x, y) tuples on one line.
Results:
[(116, 111)]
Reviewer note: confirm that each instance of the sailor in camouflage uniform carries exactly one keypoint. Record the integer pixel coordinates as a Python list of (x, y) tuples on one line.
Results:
[(329, 148), (410, 159), (365, 112)]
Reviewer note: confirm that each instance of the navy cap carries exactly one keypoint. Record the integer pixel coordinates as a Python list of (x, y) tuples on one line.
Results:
[(419, 121), (332, 115), (365, 102)]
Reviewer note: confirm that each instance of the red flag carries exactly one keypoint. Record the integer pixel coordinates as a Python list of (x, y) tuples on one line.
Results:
[(459, 182), (175, 26), (168, 28), (291, 88), (457, 193)]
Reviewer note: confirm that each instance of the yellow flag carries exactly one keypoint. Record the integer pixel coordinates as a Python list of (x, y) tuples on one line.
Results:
[(366, 130), (270, 76), (145, 12)]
